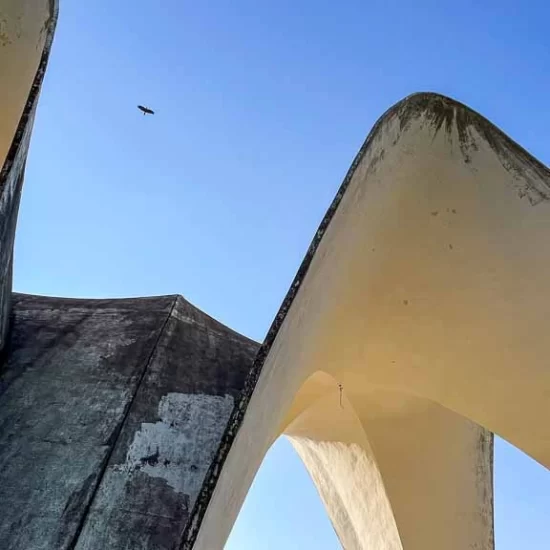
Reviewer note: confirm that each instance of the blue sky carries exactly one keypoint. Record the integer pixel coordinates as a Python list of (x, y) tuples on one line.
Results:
[(261, 106)]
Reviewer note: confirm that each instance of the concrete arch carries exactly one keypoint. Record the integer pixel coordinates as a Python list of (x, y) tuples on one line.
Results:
[(387, 465), (26, 33), (424, 294), (328, 435), (25, 36), (427, 278)]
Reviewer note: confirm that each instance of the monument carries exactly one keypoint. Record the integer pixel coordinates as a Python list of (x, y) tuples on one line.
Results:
[(414, 330)]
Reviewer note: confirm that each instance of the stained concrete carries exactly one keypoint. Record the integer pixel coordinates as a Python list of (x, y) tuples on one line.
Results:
[(414, 329), (110, 413)]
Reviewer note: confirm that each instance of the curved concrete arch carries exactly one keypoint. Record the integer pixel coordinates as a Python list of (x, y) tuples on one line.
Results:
[(426, 283), (26, 34), (423, 296), (393, 470), (331, 440)]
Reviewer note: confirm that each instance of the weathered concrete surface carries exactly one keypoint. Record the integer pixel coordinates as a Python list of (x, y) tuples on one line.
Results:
[(110, 413), (414, 328), (26, 30), (26, 34), (424, 295)]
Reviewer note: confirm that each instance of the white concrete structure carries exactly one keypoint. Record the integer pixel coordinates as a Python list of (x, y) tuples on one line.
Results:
[(424, 297)]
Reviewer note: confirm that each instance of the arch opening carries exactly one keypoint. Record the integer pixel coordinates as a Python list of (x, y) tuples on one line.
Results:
[(386, 464)]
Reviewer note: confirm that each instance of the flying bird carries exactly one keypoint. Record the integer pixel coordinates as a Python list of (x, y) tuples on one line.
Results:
[(146, 110)]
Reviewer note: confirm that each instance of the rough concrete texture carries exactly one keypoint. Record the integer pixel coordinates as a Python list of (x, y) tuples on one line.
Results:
[(414, 329), (110, 413), (26, 34)]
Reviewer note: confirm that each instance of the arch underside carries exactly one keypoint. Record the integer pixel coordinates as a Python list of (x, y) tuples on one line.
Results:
[(424, 296), (395, 471)]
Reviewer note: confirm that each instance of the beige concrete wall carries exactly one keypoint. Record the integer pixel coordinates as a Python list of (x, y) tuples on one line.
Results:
[(426, 298), (331, 440), (421, 467), (26, 32), (23, 32)]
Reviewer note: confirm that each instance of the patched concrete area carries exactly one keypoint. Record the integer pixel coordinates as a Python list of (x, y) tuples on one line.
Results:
[(74, 367), (103, 440), (181, 445)]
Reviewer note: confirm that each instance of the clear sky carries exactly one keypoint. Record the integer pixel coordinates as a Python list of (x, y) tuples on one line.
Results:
[(261, 106)]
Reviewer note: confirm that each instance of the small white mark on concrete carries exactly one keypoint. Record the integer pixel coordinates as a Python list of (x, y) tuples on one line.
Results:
[(180, 447)]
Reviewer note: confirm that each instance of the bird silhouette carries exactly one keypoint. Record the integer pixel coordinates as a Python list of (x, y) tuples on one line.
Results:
[(146, 110)]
